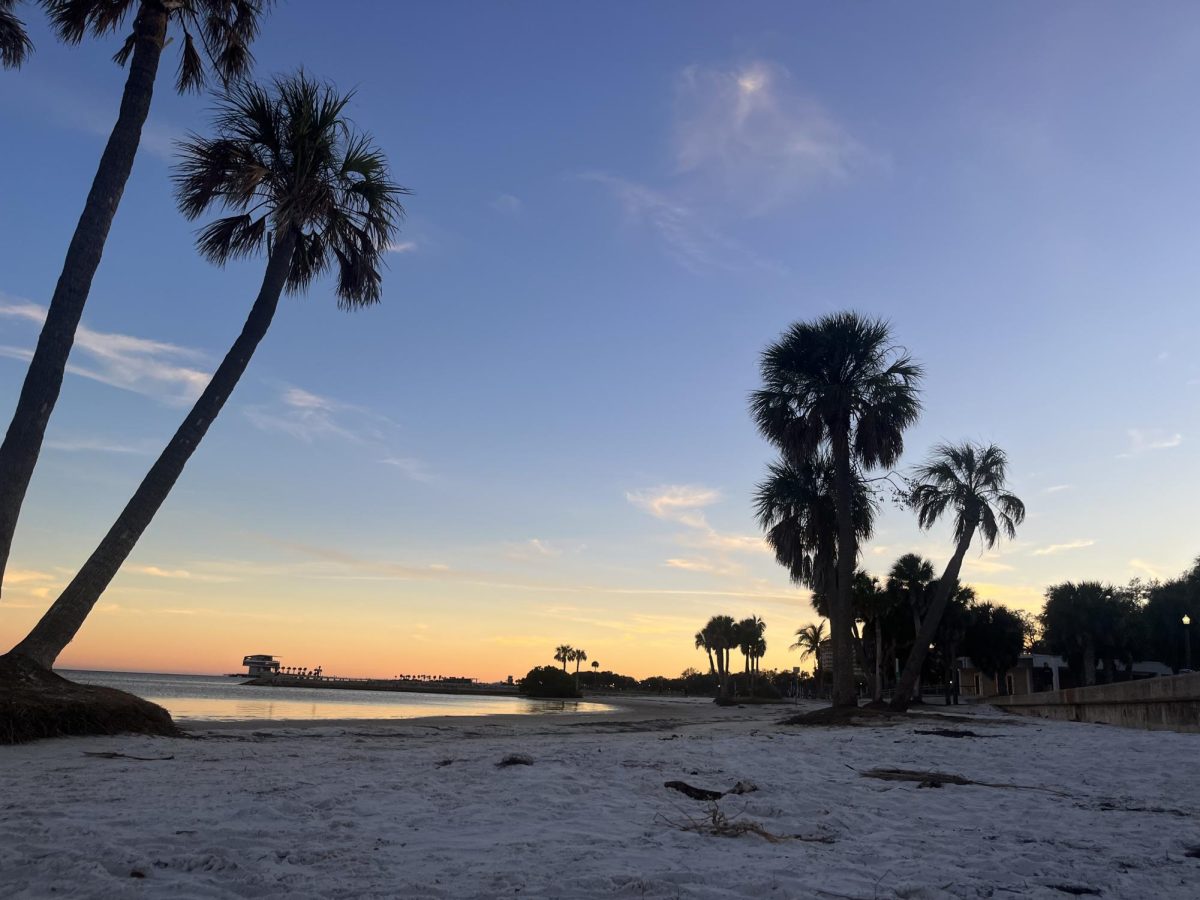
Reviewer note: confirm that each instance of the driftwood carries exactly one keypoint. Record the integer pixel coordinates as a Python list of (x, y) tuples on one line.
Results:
[(698, 793), (937, 779), (717, 824), (109, 754), (515, 759)]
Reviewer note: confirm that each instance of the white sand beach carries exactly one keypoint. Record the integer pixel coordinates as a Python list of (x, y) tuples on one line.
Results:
[(421, 809)]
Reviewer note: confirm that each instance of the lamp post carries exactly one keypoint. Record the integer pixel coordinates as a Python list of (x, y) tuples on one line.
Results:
[(1187, 641)]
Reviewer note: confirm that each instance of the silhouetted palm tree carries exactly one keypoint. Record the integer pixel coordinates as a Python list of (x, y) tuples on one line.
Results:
[(578, 656), (872, 603), (749, 633), (970, 480), (311, 192), (808, 641), (595, 672), (225, 30), (702, 641), (562, 653), (911, 577), (839, 383), (721, 633), (14, 41)]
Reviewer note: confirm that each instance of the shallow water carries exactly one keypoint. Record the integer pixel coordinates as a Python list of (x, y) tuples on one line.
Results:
[(224, 699)]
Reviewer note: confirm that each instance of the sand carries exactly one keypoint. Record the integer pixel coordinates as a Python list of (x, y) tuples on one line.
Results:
[(421, 809)]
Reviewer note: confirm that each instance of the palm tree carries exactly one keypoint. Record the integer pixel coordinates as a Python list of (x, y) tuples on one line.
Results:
[(749, 637), (562, 653), (14, 42), (808, 641), (225, 29), (702, 641), (970, 479), (312, 192), (839, 384), (578, 656), (595, 672), (872, 603), (911, 577), (721, 632)]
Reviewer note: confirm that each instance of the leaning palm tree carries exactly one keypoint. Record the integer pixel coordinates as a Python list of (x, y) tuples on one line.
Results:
[(839, 384), (702, 642), (808, 641), (562, 653), (14, 41), (219, 30), (315, 195), (969, 479)]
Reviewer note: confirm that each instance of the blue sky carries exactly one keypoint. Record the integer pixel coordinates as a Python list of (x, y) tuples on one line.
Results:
[(541, 434)]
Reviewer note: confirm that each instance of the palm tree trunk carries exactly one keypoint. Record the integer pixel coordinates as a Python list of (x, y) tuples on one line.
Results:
[(712, 669), (65, 617), (916, 694), (839, 610), (877, 694), (43, 380), (901, 697), (1089, 662)]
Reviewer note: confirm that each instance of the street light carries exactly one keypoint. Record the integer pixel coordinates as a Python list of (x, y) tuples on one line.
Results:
[(1187, 641)]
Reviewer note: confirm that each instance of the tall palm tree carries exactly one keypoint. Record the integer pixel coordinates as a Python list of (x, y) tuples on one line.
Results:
[(839, 384), (595, 672), (970, 479), (14, 41), (872, 603), (562, 653), (808, 641), (702, 641), (224, 30), (721, 633), (749, 636), (315, 195), (578, 656), (911, 577)]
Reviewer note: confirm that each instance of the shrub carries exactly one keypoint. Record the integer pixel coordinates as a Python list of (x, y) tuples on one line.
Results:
[(548, 681)]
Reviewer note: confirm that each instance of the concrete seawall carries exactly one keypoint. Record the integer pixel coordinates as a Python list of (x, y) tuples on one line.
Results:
[(1164, 704)]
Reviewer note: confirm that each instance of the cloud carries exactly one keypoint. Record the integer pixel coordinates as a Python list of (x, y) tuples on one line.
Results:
[(308, 417), (534, 548), (1149, 568), (93, 445), (402, 247), (411, 467), (507, 203), (144, 366), (1144, 440), (1054, 549), (1057, 488), (688, 237), (676, 502), (752, 134)]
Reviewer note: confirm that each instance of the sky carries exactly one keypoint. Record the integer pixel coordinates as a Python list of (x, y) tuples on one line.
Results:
[(540, 436)]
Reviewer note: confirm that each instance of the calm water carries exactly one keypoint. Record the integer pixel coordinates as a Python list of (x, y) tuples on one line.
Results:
[(213, 698)]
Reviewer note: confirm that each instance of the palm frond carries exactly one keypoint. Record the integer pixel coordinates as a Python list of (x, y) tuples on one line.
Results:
[(15, 44)]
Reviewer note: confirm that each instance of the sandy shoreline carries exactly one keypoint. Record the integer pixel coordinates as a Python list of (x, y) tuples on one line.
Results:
[(419, 808)]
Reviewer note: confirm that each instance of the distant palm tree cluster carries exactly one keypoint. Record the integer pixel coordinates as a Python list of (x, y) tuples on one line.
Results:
[(289, 178), (565, 653), (721, 635), (838, 395)]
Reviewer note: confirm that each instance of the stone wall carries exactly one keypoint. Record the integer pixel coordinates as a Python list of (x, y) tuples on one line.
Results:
[(1168, 704)]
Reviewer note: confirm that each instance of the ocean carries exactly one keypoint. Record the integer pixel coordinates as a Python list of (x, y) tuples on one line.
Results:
[(214, 698)]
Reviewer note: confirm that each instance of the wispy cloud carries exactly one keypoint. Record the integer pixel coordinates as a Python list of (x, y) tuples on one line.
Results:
[(676, 502), (1053, 549), (410, 467), (94, 445), (685, 504), (509, 204), (688, 236), (308, 417), (1057, 488), (1150, 569), (1143, 440), (402, 247), (532, 549), (142, 365), (751, 132)]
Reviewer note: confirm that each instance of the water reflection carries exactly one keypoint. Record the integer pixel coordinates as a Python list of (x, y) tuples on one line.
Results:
[(206, 698)]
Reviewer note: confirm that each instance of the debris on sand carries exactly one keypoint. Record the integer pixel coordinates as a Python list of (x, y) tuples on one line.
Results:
[(698, 793), (515, 759)]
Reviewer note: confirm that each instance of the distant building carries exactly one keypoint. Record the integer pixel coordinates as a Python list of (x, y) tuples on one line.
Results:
[(261, 664)]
